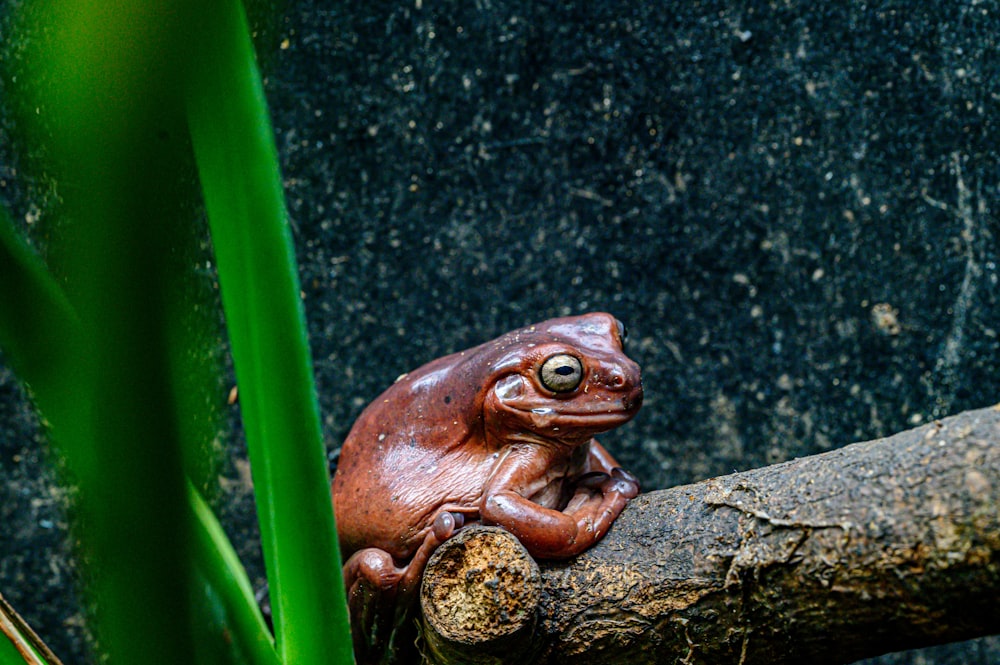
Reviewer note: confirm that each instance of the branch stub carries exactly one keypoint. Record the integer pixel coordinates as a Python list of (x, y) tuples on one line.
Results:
[(479, 598)]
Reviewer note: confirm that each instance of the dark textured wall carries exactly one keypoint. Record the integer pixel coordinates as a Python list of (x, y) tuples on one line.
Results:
[(792, 205)]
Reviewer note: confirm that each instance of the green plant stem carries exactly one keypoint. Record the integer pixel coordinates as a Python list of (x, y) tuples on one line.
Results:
[(227, 586), (39, 330), (111, 78), (237, 163), (105, 78)]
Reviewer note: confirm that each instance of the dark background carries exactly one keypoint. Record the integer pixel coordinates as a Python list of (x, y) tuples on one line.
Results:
[(791, 205)]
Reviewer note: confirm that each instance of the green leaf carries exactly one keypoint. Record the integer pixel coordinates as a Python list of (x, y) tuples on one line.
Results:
[(101, 353), (227, 590), (9, 654), (106, 82), (18, 642), (237, 163), (39, 330)]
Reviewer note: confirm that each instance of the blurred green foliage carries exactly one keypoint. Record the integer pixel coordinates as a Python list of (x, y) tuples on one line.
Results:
[(139, 102)]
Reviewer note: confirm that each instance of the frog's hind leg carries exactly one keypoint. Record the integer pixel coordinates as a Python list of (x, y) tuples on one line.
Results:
[(372, 581), (380, 593)]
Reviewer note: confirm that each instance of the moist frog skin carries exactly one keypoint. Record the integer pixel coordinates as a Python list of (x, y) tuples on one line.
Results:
[(500, 434)]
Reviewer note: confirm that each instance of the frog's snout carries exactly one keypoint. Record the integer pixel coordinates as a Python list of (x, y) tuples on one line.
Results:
[(633, 400), (624, 378)]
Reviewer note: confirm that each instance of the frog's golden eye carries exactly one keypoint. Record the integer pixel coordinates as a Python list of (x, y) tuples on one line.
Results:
[(561, 373)]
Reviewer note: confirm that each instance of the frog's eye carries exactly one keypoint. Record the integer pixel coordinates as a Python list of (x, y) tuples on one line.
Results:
[(561, 373), (622, 332)]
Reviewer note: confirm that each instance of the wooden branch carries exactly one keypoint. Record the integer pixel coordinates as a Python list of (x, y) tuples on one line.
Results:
[(880, 546)]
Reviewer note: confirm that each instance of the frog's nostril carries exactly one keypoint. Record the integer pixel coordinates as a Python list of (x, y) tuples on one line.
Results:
[(617, 377)]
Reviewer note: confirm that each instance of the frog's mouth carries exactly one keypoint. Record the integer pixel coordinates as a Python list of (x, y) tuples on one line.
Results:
[(569, 416), (594, 416)]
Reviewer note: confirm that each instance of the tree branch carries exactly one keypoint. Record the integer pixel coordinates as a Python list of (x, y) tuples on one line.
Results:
[(876, 547)]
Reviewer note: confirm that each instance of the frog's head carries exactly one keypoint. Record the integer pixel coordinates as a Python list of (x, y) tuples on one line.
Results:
[(562, 381)]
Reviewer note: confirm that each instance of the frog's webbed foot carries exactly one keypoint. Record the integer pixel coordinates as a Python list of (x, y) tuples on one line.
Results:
[(380, 593), (605, 474), (596, 498), (624, 483), (619, 485), (372, 581), (618, 481)]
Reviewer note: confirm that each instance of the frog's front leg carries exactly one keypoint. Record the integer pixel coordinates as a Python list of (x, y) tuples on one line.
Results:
[(380, 593), (602, 493)]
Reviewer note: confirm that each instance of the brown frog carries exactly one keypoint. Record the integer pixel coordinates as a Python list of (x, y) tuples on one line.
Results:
[(500, 434)]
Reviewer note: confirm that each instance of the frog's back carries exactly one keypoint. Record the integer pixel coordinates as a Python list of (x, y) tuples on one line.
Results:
[(415, 448)]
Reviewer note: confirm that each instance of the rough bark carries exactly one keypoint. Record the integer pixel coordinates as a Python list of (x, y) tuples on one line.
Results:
[(879, 546)]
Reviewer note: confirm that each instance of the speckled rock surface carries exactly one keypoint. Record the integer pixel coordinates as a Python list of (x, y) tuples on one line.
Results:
[(791, 205)]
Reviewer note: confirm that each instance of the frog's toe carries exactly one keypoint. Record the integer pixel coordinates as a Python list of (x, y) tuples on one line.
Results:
[(595, 480), (624, 483), (446, 524), (377, 568)]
